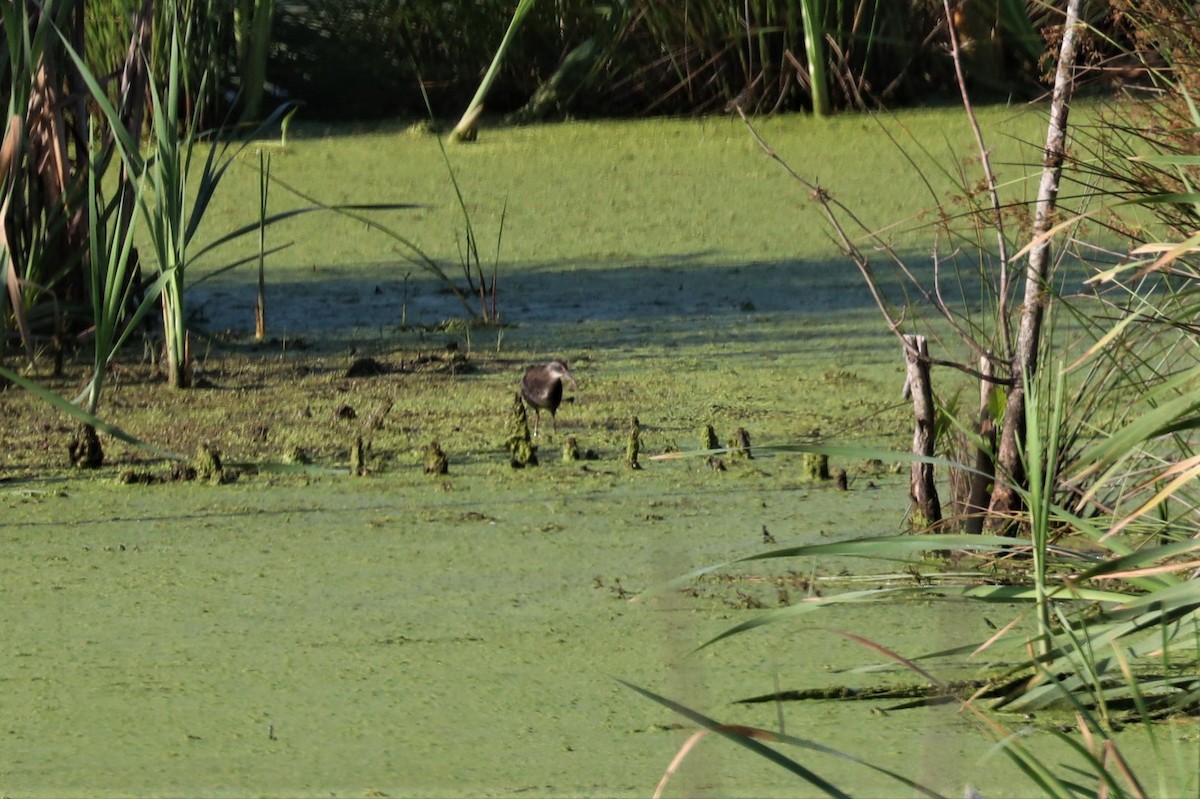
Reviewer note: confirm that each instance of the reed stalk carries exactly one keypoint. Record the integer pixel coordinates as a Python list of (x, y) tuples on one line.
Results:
[(260, 305), (814, 49), (252, 29), (465, 129), (110, 246), (1043, 423)]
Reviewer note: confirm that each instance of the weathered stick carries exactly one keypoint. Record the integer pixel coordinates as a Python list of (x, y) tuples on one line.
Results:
[(926, 508), (1006, 498)]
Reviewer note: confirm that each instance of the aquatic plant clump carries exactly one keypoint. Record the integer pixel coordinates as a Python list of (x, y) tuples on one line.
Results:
[(436, 461), (521, 450), (816, 467), (207, 465)]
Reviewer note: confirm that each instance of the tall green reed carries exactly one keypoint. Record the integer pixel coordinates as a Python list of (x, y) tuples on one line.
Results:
[(111, 265), (180, 189), (252, 31), (466, 127), (165, 173), (1043, 422), (169, 225), (814, 50), (114, 282), (260, 304)]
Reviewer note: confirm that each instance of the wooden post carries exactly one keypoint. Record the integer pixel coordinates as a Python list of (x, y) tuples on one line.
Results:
[(983, 477), (926, 508)]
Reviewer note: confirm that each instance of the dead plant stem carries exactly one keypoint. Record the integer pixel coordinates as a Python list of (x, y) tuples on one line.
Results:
[(832, 208), (990, 177), (1006, 497)]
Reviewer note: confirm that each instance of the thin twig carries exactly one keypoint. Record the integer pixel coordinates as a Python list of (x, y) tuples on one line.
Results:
[(990, 176), (829, 205)]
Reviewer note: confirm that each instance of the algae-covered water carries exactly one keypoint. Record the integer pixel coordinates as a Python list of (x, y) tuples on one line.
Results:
[(398, 637), (403, 634)]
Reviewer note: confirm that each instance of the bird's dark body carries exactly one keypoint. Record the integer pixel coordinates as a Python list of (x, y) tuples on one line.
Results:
[(543, 397), (542, 389)]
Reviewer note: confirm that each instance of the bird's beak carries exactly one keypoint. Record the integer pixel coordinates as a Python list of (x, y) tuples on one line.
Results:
[(570, 378)]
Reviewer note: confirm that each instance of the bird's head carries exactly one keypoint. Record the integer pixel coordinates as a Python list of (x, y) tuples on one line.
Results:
[(559, 369)]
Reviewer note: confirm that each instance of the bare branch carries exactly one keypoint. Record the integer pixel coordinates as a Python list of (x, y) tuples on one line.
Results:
[(1005, 497), (990, 176), (834, 211)]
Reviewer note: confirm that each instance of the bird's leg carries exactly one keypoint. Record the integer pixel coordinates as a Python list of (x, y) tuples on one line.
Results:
[(537, 417)]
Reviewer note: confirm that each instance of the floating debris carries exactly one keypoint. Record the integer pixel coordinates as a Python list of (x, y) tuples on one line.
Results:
[(136, 477), (740, 444), (367, 367), (85, 450), (182, 472)]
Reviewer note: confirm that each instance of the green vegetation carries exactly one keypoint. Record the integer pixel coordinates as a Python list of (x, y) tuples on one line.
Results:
[(669, 259), (1103, 504), (465, 129), (580, 57), (783, 346)]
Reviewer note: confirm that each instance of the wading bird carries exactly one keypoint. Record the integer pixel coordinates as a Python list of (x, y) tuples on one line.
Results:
[(542, 389)]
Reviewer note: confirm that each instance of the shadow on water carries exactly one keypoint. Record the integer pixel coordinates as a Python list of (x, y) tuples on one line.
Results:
[(677, 300)]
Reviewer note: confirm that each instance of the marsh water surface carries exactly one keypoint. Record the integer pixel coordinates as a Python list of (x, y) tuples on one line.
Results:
[(403, 634)]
